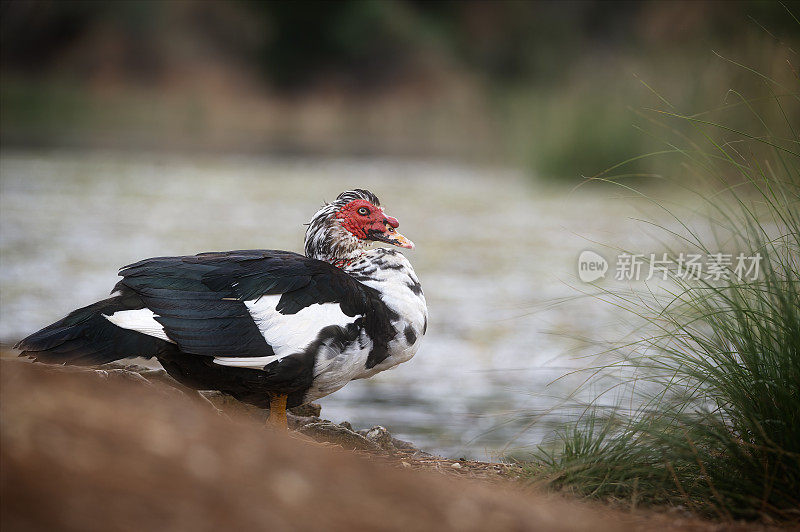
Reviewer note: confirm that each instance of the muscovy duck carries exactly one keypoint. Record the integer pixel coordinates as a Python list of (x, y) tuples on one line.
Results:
[(271, 328)]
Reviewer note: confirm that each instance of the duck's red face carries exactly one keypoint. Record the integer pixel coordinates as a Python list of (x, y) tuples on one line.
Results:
[(368, 222)]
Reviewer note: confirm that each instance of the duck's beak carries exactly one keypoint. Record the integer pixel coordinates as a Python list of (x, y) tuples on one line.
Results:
[(393, 237), (390, 235)]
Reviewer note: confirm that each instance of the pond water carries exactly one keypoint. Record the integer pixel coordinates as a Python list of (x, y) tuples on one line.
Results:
[(494, 253)]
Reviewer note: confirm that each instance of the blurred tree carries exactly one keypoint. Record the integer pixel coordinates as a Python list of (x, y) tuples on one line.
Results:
[(362, 41), (301, 43), (551, 80)]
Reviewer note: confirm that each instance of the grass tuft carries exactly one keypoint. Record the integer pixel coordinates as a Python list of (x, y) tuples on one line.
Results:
[(717, 375)]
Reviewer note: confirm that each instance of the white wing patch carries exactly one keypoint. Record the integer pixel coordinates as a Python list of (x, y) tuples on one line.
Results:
[(246, 362), (142, 320), (287, 333)]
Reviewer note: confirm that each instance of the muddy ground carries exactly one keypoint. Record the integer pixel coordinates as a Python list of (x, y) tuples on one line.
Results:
[(115, 450)]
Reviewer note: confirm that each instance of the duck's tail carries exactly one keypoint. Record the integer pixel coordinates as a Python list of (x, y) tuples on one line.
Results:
[(86, 337)]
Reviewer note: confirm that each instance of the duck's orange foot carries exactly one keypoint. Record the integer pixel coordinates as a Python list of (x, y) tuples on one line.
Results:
[(277, 412)]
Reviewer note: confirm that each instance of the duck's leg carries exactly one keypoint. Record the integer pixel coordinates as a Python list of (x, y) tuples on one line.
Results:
[(277, 411)]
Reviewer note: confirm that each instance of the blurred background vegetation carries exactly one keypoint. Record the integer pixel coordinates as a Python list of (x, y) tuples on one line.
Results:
[(554, 88)]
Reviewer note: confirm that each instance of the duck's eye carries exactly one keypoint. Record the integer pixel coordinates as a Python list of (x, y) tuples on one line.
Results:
[(363, 211), (390, 229)]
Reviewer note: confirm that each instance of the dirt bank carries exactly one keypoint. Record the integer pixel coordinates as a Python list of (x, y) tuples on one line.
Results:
[(107, 451)]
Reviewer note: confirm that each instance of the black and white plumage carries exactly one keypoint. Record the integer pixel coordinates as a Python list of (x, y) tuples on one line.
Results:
[(259, 323)]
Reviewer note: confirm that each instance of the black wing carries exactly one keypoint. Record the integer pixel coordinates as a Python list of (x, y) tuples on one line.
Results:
[(200, 299)]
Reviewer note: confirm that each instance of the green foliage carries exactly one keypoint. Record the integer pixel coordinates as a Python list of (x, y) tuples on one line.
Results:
[(361, 41), (544, 86), (585, 135), (718, 378)]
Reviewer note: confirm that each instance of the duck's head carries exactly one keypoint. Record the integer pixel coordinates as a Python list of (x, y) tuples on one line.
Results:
[(341, 230)]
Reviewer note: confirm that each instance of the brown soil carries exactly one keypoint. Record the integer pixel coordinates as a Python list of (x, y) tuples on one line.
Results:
[(107, 451)]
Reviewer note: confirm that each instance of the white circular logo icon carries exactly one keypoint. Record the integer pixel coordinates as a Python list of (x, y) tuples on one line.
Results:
[(591, 266)]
